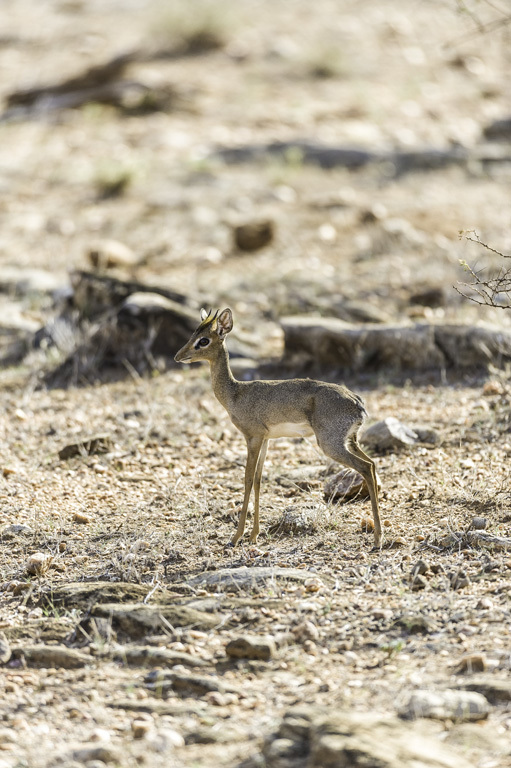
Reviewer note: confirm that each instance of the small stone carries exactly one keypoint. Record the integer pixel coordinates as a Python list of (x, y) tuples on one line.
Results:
[(459, 579), (140, 728), (461, 706), (396, 543), (388, 435), (418, 583), (165, 739), (17, 529), (78, 517), (345, 485), (415, 623), (111, 253), (479, 523), (419, 569), (105, 753), (245, 647), (254, 235), (306, 630), (38, 563), (7, 736), (476, 662), (367, 525), (313, 585)]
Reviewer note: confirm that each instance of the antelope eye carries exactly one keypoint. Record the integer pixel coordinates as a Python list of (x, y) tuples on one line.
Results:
[(203, 342)]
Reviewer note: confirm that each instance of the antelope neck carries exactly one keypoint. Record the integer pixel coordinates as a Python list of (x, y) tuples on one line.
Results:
[(224, 383)]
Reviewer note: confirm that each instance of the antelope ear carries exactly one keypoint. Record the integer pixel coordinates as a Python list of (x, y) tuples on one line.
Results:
[(224, 323), (204, 314)]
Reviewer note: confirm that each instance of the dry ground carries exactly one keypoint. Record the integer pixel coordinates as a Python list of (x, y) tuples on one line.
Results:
[(158, 507)]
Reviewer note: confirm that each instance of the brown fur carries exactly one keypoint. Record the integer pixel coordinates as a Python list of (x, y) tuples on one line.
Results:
[(262, 410)]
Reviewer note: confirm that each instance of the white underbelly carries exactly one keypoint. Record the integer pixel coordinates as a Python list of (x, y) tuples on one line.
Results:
[(290, 429)]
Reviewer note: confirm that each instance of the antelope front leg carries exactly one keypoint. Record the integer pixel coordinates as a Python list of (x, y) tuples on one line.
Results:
[(253, 450), (257, 485)]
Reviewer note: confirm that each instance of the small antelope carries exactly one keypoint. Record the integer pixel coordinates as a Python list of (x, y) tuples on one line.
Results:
[(262, 410)]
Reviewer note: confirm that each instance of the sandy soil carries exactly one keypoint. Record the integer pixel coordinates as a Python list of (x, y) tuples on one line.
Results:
[(155, 510)]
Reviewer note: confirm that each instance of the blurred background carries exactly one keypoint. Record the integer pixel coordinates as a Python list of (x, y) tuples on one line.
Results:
[(355, 140)]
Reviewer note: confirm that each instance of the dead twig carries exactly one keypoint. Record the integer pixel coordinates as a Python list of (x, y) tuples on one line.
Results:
[(494, 291)]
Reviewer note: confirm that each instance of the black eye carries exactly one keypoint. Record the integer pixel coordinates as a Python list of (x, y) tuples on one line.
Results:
[(202, 343)]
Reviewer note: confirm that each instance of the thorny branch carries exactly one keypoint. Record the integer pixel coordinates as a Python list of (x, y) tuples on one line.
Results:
[(492, 291)]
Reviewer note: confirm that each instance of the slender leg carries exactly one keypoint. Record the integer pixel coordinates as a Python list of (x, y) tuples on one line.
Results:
[(257, 485), (355, 458), (253, 449)]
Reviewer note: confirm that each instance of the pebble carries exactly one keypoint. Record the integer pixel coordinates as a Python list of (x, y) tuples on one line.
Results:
[(461, 706), (105, 753), (165, 739), (475, 662), (251, 647), (38, 563), (140, 728), (306, 630), (78, 517)]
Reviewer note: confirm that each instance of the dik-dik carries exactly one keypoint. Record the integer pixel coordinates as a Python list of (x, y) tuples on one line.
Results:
[(263, 410)]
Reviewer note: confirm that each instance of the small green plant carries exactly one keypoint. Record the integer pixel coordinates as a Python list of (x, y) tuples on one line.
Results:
[(392, 648)]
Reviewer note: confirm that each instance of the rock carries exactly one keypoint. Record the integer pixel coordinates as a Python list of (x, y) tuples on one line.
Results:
[(461, 706), (497, 691), (137, 619), (38, 563), (345, 486), (419, 569), (137, 326), (429, 296), (427, 435), (292, 523), (388, 435), (476, 662), (245, 578), (306, 630), (418, 582), (330, 344), (23, 281), (47, 656), (415, 623), (317, 738), (104, 753), (88, 446), (459, 579), (479, 523), (17, 529), (5, 649), (254, 235), (84, 595), (106, 254), (251, 647), (499, 130), (164, 740), (165, 681), (82, 519), (140, 728), (146, 656), (94, 295)]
